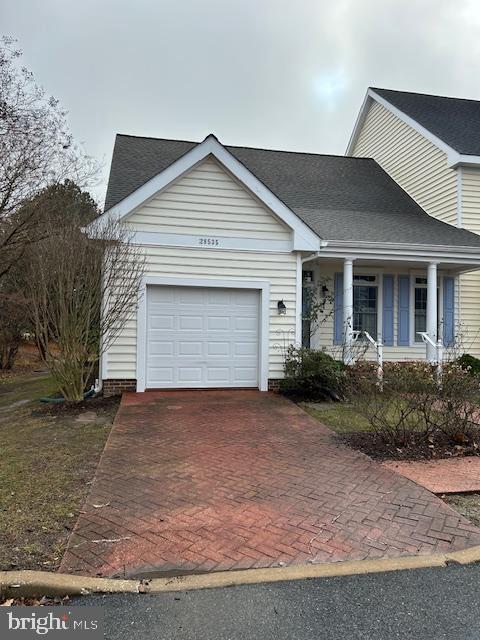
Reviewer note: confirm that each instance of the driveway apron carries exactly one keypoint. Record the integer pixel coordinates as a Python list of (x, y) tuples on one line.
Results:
[(194, 481)]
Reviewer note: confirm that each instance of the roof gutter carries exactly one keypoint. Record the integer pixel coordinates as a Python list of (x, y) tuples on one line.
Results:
[(402, 252), (317, 254), (404, 246)]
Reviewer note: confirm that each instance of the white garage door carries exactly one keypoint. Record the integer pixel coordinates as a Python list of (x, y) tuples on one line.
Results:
[(201, 337)]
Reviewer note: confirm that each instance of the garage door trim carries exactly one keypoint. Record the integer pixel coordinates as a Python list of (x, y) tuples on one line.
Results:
[(262, 286)]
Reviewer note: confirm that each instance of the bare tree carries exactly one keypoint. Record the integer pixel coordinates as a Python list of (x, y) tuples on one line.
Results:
[(317, 308), (81, 289), (36, 150), (13, 322)]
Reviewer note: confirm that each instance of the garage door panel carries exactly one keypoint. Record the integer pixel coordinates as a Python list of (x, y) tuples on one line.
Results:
[(162, 295), (218, 323), (218, 374), (161, 348), (246, 323), (190, 323), (191, 296), (192, 375), (218, 348), (161, 375), (202, 337), (244, 374), (244, 349), (162, 322), (244, 297), (190, 348), (218, 297)]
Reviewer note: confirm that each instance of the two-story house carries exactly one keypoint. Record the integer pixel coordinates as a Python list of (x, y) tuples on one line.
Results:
[(233, 237), (430, 145)]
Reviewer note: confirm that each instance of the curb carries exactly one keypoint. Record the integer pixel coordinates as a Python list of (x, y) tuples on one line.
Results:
[(44, 583)]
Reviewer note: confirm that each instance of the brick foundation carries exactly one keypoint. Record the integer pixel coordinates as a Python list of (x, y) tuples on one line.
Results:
[(115, 386), (274, 384)]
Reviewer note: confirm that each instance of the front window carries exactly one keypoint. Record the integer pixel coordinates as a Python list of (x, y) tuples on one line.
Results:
[(420, 308), (420, 312), (365, 305)]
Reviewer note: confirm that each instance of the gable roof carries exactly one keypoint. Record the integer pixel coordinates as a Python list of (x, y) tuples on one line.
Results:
[(456, 121), (339, 198)]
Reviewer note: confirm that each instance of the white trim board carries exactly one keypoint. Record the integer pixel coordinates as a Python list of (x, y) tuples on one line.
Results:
[(157, 239), (462, 258), (454, 158), (459, 196), (298, 300), (304, 239), (262, 286)]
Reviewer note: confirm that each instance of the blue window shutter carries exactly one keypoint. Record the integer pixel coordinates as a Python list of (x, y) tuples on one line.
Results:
[(448, 311), (338, 309), (387, 320), (403, 337)]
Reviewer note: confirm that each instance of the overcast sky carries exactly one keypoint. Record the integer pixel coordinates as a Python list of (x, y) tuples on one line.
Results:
[(281, 74)]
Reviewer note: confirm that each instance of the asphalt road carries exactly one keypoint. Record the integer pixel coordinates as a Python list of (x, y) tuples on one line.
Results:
[(417, 604)]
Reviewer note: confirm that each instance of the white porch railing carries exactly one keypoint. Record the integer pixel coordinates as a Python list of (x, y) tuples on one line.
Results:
[(436, 346), (378, 346)]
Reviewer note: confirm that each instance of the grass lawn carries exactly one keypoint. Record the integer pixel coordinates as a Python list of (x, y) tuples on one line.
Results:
[(47, 461), (22, 389), (339, 416), (468, 504)]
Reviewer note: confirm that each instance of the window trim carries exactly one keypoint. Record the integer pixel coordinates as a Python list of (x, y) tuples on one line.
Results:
[(422, 274), (378, 273)]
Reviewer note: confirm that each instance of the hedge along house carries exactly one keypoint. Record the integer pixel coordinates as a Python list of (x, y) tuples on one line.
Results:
[(233, 236)]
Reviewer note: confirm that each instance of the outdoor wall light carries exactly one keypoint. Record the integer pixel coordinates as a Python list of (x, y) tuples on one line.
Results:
[(324, 289), (282, 309)]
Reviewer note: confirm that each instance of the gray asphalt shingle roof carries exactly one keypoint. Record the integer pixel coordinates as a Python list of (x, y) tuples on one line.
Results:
[(340, 198), (456, 121)]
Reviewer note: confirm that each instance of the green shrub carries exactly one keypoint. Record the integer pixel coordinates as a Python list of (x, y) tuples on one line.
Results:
[(390, 407), (413, 399), (312, 375), (469, 363)]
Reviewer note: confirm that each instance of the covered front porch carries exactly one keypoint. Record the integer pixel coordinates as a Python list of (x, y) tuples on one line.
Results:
[(407, 301)]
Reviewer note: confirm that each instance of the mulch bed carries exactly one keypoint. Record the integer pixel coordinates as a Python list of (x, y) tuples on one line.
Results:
[(417, 447), (98, 405)]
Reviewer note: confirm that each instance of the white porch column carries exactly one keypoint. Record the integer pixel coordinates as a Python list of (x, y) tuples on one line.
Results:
[(348, 309), (432, 310)]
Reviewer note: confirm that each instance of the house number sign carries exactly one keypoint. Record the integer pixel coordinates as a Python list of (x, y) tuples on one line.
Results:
[(209, 242)]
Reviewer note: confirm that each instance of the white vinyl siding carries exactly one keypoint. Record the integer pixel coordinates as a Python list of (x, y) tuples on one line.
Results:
[(421, 169), (470, 198), (277, 268), (414, 162), (208, 201), (470, 282)]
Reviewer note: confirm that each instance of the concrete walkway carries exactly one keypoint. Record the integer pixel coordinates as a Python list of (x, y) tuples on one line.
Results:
[(219, 480), (451, 475)]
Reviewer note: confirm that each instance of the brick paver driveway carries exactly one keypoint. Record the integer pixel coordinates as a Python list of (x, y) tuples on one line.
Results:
[(214, 480)]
